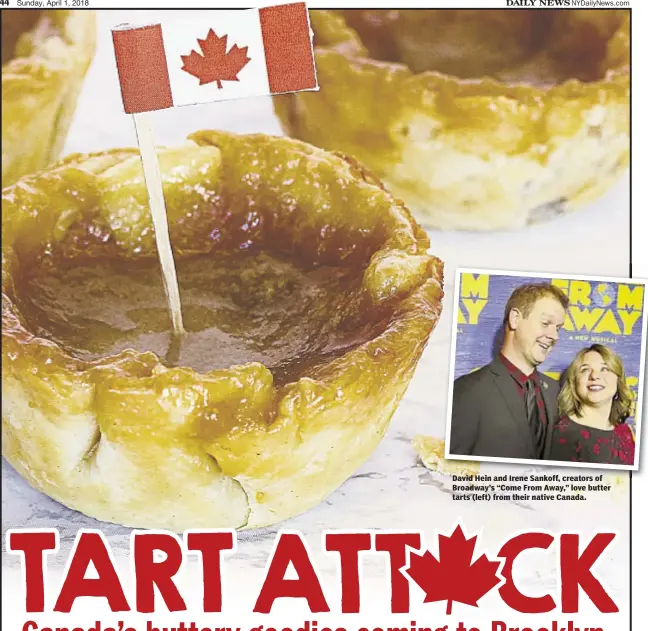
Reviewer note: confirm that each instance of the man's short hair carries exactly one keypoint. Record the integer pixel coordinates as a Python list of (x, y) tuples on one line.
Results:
[(524, 298)]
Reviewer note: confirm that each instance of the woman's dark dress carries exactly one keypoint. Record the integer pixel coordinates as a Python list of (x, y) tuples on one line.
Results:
[(573, 442)]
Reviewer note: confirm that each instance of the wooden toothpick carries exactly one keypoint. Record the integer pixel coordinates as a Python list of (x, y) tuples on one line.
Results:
[(157, 206)]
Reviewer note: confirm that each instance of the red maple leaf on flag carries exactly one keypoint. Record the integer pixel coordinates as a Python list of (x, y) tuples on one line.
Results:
[(453, 577), (215, 63)]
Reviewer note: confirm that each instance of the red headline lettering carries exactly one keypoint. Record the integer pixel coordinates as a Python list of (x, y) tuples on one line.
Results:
[(575, 567)]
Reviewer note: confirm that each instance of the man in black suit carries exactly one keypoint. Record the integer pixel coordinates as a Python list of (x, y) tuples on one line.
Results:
[(507, 409)]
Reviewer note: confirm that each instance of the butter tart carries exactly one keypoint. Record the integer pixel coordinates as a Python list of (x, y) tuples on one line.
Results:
[(45, 56), (477, 119), (308, 297)]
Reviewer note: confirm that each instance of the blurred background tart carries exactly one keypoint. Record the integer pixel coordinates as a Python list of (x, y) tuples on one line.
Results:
[(45, 56), (478, 119)]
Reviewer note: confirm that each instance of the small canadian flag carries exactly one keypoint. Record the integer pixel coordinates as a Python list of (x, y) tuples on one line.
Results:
[(204, 56)]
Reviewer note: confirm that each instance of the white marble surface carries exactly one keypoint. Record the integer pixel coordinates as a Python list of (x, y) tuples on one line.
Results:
[(391, 490)]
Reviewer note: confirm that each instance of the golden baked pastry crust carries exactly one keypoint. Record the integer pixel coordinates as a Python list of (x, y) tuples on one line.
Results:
[(128, 440), (475, 153), (41, 79), (431, 451)]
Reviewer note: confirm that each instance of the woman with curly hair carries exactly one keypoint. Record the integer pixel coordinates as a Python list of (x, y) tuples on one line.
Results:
[(593, 405)]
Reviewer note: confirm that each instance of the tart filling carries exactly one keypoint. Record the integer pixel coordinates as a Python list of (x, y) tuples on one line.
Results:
[(308, 296), (538, 48), (14, 25), (239, 307)]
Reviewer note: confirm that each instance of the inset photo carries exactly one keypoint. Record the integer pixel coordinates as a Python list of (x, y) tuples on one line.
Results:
[(546, 369)]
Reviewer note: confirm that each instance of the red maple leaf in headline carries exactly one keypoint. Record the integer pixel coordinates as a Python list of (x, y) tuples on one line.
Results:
[(215, 63), (453, 577)]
